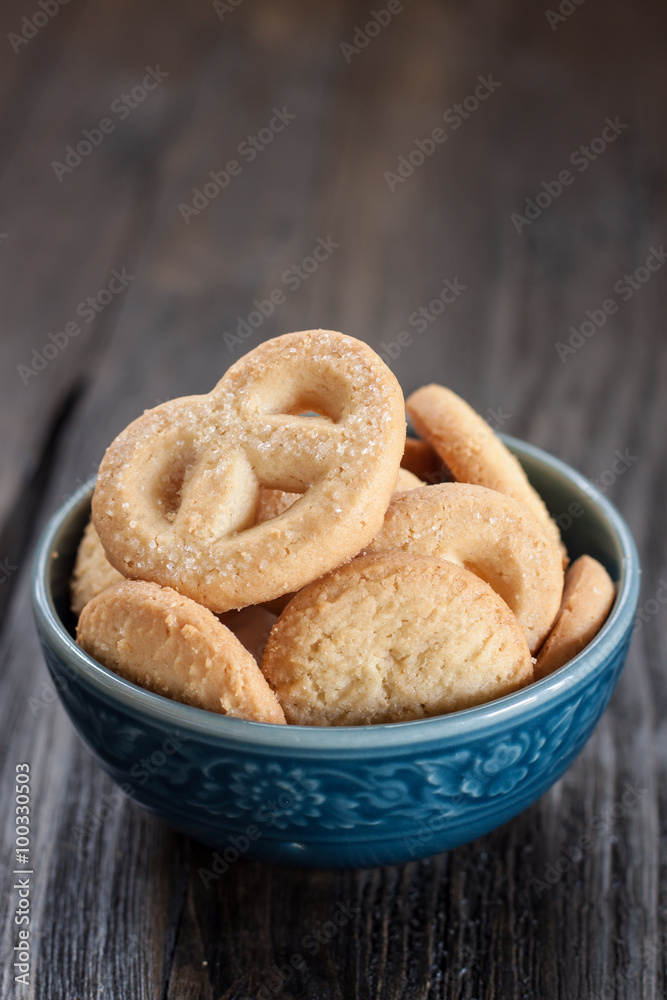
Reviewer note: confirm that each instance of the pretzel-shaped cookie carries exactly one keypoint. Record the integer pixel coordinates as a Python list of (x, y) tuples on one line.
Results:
[(274, 502), (177, 491)]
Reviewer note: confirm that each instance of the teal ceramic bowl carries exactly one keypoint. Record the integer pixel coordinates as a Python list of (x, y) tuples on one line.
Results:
[(344, 796)]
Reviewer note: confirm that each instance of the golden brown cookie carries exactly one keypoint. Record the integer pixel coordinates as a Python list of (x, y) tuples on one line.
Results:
[(274, 502), (494, 536), (271, 503), (177, 491), (425, 463), (93, 572), (587, 599), (407, 481), (391, 637), (165, 642), (471, 449)]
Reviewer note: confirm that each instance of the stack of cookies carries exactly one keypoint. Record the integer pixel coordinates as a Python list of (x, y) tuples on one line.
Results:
[(277, 551)]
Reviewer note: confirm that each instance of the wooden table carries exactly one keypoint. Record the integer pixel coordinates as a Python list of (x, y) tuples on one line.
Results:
[(330, 111)]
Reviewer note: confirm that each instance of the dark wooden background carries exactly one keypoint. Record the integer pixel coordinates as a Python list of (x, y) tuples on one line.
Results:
[(123, 914)]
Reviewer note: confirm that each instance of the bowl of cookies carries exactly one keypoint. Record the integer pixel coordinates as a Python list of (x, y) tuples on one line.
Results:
[(300, 637)]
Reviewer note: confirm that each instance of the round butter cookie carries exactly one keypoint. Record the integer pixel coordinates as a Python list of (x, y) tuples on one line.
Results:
[(587, 599), (170, 645), (93, 572), (391, 637)]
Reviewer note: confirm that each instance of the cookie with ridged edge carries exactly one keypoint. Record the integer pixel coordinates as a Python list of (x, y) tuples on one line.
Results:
[(391, 637), (587, 599), (170, 645), (93, 572), (493, 535), (471, 449)]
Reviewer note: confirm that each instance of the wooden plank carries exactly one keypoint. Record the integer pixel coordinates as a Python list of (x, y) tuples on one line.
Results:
[(65, 237), (32, 42), (125, 914)]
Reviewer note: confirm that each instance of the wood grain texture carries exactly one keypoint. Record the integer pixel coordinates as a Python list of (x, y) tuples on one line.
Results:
[(123, 913)]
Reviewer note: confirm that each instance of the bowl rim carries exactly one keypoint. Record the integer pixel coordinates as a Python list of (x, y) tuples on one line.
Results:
[(501, 713)]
